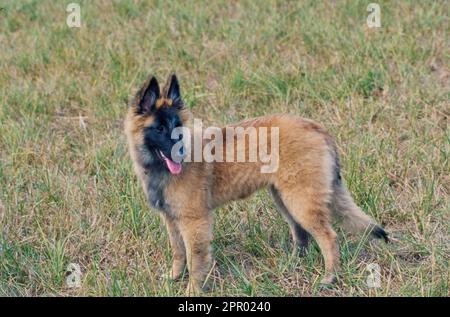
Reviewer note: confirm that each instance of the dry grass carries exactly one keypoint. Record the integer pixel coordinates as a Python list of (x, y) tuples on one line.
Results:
[(68, 193)]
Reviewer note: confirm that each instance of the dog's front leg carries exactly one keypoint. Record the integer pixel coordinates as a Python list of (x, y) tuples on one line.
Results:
[(177, 245), (196, 231)]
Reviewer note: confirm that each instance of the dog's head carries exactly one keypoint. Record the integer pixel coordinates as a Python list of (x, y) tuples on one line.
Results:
[(153, 116)]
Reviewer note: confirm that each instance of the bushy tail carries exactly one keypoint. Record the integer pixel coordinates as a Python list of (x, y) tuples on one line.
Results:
[(352, 217), (344, 208)]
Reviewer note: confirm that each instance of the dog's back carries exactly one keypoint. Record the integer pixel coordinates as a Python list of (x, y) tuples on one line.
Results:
[(300, 142)]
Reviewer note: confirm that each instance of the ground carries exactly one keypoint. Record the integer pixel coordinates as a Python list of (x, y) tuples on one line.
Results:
[(68, 193)]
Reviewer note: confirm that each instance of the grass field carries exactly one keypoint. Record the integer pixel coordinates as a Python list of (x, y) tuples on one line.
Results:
[(68, 193)]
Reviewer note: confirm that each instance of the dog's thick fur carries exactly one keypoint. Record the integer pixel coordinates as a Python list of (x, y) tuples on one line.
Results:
[(307, 187)]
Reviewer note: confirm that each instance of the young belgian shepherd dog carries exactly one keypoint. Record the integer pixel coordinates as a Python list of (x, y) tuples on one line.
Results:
[(307, 186)]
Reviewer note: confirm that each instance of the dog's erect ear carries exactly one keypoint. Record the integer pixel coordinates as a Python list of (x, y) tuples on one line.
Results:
[(173, 90), (149, 96)]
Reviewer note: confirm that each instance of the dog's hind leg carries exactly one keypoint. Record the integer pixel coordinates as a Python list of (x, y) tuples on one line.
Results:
[(309, 207), (300, 236)]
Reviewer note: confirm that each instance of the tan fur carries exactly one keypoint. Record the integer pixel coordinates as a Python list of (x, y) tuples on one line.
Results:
[(302, 187), (164, 102)]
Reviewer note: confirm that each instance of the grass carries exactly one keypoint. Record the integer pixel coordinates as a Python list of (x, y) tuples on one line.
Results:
[(68, 193)]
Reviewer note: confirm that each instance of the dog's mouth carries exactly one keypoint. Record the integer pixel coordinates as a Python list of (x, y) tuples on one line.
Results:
[(173, 167)]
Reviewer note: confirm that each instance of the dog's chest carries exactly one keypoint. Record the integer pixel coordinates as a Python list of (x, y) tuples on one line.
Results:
[(155, 193)]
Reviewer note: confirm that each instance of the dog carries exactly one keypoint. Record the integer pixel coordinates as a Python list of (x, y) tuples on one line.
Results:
[(307, 185)]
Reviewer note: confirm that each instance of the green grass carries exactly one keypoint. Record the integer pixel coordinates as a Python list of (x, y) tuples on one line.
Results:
[(68, 193)]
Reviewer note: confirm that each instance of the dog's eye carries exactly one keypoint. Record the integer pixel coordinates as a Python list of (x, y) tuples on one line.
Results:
[(159, 128)]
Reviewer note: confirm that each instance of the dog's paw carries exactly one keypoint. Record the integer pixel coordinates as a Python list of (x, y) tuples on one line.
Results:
[(193, 289), (328, 282), (173, 277)]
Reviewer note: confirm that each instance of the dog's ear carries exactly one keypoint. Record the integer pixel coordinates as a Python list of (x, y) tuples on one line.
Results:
[(173, 89), (148, 95)]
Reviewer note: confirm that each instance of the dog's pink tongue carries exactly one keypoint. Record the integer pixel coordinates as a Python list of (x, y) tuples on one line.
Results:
[(174, 168)]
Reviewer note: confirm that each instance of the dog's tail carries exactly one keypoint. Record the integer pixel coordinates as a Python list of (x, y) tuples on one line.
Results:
[(350, 215)]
